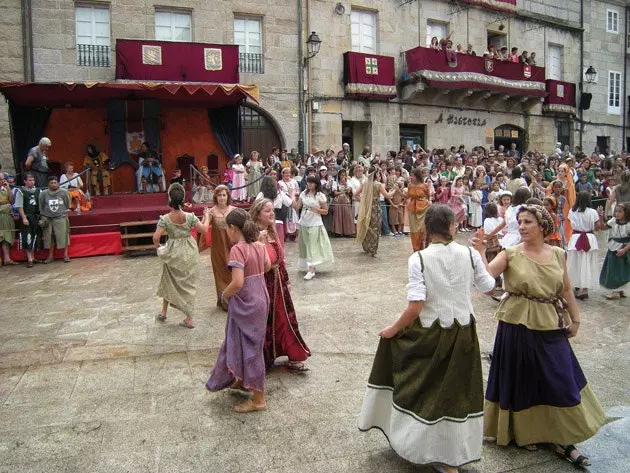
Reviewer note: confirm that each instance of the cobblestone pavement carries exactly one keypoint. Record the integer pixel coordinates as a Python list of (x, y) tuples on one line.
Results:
[(91, 382)]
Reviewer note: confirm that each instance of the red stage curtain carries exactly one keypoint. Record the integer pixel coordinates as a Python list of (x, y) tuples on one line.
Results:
[(91, 244), (180, 61), (187, 131)]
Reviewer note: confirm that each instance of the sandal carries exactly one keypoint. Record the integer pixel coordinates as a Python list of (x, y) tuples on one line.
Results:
[(29, 264), (66, 259), (161, 317), (183, 323), (612, 296), (48, 260), (249, 406), (580, 461), (443, 469), (622, 294), (297, 366), (531, 447), (11, 263)]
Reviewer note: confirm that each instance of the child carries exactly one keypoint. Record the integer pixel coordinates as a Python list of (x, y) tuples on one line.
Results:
[(180, 257), (476, 196), (558, 194), (54, 204), (177, 177), (494, 193), (239, 193), (228, 174), (397, 209), (492, 221), (555, 239), (505, 201), (240, 363), (443, 192), (615, 273)]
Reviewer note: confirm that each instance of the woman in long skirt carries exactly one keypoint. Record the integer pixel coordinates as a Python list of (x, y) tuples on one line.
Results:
[(343, 219), (254, 172), (370, 211), (239, 191), (220, 242), (582, 249), (283, 334), (313, 245), (418, 194), (240, 363), (615, 273), (180, 257), (537, 392), (425, 391), (288, 185)]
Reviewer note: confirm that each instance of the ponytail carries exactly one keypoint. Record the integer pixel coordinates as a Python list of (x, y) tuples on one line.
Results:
[(241, 220)]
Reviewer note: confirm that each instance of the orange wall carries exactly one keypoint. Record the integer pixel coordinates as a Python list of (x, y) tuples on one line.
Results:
[(187, 131), (71, 129), (184, 131)]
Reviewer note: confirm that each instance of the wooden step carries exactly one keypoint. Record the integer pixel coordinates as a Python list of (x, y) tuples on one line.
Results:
[(136, 235), (138, 247), (138, 223)]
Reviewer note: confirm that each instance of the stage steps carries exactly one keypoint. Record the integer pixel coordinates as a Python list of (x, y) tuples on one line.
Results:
[(137, 237)]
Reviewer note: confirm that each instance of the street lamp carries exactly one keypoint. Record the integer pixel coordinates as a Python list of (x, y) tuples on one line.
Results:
[(312, 45), (590, 74)]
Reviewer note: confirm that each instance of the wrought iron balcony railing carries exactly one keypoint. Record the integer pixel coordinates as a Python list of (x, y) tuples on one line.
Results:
[(93, 55), (251, 63)]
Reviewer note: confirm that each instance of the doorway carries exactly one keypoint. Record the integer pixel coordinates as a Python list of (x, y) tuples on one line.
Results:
[(505, 135), (603, 144), (259, 132), (412, 135)]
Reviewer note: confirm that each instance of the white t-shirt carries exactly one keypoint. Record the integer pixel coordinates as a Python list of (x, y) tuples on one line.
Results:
[(65, 183), (310, 218), (491, 223), (280, 200)]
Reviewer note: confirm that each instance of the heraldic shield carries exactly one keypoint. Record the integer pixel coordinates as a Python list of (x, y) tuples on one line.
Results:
[(527, 71), (489, 64)]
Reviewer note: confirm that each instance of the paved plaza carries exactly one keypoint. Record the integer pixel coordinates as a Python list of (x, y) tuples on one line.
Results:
[(90, 381)]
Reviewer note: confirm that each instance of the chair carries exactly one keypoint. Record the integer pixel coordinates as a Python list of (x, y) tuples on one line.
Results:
[(183, 163), (55, 169), (213, 167)]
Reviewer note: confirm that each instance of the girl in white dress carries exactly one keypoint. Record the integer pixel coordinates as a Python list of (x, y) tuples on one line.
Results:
[(513, 236), (476, 210), (238, 180), (582, 249)]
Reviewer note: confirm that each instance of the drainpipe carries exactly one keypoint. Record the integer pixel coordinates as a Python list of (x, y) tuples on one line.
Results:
[(300, 54), (27, 41), (309, 86), (624, 110), (581, 83)]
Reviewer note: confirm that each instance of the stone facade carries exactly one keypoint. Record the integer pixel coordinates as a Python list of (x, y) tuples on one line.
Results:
[(400, 26)]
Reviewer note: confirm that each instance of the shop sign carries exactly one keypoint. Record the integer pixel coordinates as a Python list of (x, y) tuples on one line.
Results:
[(460, 121)]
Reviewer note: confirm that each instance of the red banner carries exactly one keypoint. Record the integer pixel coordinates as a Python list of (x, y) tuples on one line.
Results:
[(176, 61), (560, 97), (498, 5), (369, 75)]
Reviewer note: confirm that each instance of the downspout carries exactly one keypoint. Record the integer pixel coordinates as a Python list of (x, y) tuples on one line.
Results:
[(624, 110), (309, 87), (27, 41), (581, 87), (300, 54)]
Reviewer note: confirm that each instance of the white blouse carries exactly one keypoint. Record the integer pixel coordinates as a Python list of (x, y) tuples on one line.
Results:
[(617, 231), (308, 217), (583, 222)]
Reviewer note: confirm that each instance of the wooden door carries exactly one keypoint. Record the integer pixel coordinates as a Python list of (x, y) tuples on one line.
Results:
[(259, 134)]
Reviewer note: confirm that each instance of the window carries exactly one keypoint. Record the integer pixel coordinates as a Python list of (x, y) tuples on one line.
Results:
[(173, 25), (555, 60), (248, 36), (614, 92), (612, 21), (563, 132), (363, 31), (92, 35), (437, 29), (499, 40)]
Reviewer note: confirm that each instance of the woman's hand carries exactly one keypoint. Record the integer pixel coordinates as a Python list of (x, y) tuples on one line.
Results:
[(478, 242), (388, 332), (622, 251), (572, 329)]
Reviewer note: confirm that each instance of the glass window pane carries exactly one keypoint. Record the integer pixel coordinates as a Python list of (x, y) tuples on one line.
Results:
[(239, 37), (101, 29), (253, 40), (82, 13), (101, 14), (239, 24), (101, 40), (84, 40), (355, 17), (181, 34), (84, 28), (254, 49), (163, 33), (181, 20), (253, 26), (162, 18)]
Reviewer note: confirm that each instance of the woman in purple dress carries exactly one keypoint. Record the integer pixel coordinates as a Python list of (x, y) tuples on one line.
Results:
[(240, 363)]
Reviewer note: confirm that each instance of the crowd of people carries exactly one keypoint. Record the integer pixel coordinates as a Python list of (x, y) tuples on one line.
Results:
[(492, 52)]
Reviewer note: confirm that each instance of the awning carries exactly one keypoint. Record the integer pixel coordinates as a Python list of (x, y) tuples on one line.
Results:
[(94, 94)]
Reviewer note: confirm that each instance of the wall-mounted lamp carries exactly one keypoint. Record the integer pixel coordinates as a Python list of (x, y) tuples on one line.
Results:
[(591, 75), (312, 45)]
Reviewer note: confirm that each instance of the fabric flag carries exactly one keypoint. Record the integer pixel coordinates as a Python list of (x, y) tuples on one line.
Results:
[(131, 122)]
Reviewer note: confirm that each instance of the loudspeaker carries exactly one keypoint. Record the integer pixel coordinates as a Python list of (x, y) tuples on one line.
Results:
[(585, 101)]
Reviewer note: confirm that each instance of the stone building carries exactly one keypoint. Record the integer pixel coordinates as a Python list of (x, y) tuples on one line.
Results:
[(404, 93)]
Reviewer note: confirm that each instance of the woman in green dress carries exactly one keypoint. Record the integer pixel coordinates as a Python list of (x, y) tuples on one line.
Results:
[(180, 256), (369, 220), (7, 226), (254, 172)]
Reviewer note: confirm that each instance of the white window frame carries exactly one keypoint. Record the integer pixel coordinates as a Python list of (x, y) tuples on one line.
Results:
[(247, 45), (614, 16), (560, 47), (172, 12), (360, 32), (431, 23), (95, 40), (614, 93)]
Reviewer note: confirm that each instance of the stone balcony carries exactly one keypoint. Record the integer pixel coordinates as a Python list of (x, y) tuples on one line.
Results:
[(560, 99), (470, 81)]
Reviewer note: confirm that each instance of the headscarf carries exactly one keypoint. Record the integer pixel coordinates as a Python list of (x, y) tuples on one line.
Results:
[(365, 208), (542, 217)]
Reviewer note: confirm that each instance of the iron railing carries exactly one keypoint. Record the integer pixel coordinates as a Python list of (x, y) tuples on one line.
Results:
[(93, 55), (253, 63)]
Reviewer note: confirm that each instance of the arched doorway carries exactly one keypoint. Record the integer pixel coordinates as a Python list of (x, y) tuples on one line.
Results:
[(506, 135), (259, 132)]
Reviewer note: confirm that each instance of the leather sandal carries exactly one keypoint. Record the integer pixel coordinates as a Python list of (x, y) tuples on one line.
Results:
[(580, 461), (249, 406)]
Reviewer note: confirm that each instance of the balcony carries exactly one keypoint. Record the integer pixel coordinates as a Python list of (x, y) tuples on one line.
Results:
[(470, 80), (560, 98), (93, 55), (369, 76), (251, 63)]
